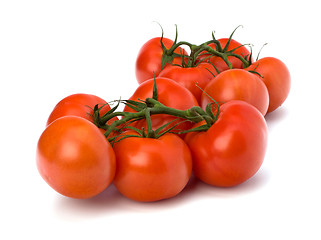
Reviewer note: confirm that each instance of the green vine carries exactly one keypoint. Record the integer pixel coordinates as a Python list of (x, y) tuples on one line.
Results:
[(144, 109)]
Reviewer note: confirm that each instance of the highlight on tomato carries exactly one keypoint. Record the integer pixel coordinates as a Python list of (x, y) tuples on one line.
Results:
[(232, 150), (237, 84), (152, 169), (79, 104), (194, 78), (74, 158), (153, 56), (276, 77)]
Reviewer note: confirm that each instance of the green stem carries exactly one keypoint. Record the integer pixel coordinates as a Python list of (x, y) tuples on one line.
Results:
[(197, 49), (243, 60), (176, 45), (190, 114), (150, 131), (222, 55), (104, 119), (127, 116), (194, 114)]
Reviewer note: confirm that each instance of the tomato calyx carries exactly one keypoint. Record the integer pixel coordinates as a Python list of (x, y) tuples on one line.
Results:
[(255, 72), (205, 50), (256, 66), (144, 109), (169, 54)]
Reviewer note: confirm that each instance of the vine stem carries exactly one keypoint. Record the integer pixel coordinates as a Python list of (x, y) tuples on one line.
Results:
[(197, 49), (150, 131), (153, 107)]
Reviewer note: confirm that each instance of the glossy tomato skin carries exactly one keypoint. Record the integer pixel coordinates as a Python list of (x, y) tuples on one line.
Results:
[(236, 63), (149, 58), (237, 84), (276, 77), (233, 149), (79, 104), (74, 158), (151, 169), (190, 77), (171, 94)]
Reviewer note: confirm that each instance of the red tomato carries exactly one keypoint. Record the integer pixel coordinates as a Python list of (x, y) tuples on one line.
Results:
[(276, 77), (171, 94), (190, 77), (237, 84), (150, 169), (233, 149), (219, 63), (149, 58), (74, 158), (78, 105)]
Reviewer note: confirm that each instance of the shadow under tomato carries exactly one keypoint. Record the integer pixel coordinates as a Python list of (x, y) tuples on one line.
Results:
[(251, 186), (111, 202), (275, 117)]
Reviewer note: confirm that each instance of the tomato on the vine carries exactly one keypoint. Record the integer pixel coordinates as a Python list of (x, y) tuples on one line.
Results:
[(169, 93), (74, 158), (232, 150), (276, 77), (150, 169), (237, 84), (79, 104), (193, 78), (201, 112), (149, 59)]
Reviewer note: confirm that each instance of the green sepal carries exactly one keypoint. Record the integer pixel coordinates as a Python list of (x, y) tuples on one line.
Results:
[(230, 38), (135, 105), (114, 140), (139, 131), (255, 72), (166, 58), (209, 110), (201, 128), (155, 96), (112, 109), (158, 130)]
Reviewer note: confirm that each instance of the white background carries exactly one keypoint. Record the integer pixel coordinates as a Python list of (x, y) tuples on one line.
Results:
[(50, 49)]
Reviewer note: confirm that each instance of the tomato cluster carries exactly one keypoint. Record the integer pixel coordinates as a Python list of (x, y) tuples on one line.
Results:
[(220, 69), (200, 113)]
